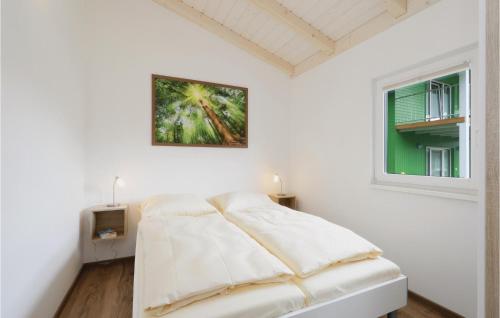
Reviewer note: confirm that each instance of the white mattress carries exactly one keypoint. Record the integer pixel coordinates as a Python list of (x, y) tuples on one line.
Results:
[(342, 279), (266, 301), (274, 300)]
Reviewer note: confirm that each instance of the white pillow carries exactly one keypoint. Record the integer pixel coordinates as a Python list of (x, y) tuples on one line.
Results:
[(234, 201), (175, 205)]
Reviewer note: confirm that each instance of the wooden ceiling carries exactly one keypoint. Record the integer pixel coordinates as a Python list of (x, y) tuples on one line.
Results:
[(295, 35)]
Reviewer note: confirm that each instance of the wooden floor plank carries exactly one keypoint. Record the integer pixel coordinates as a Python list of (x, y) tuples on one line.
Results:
[(105, 290)]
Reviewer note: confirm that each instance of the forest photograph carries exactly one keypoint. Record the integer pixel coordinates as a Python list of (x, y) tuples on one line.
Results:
[(193, 113)]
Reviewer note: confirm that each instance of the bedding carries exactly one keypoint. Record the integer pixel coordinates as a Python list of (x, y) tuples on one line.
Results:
[(234, 201), (262, 300), (189, 258), (304, 242), (175, 205), (342, 279), (275, 300)]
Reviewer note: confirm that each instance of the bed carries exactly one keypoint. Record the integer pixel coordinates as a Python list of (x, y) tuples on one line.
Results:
[(369, 287)]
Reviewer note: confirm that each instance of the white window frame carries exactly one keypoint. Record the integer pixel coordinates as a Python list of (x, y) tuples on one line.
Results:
[(458, 188), (428, 160)]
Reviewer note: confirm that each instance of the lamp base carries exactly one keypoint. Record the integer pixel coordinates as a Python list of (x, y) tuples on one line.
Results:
[(113, 205), (281, 194)]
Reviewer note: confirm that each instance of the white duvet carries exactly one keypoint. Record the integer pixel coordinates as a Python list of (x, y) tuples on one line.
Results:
[(306, 243), (342, 279), (188, 258)]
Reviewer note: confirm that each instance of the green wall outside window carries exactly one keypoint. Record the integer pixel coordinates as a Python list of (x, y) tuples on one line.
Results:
[(406, 151)]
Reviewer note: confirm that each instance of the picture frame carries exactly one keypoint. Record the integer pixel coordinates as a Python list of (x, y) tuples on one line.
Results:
[(193, 113)]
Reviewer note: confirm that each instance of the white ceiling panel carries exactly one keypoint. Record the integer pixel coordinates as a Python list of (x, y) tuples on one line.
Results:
[(274, 30)]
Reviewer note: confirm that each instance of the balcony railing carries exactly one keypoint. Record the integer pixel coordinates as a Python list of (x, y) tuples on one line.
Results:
[(438, 104)]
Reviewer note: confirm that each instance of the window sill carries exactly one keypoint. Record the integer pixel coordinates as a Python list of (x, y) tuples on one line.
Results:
[(469, 195)]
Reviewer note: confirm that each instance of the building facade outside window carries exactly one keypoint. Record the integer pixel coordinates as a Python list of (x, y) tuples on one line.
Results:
[(427, 127)]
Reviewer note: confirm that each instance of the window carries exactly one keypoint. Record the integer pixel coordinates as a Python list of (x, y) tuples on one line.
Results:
[(403, 128), (438, 162), (427, 130), (439, 101)]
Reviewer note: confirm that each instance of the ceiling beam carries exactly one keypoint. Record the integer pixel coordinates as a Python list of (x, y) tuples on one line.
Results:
[(371, 28), (226, 33), (396, 8), (315, 36), (312, 61)]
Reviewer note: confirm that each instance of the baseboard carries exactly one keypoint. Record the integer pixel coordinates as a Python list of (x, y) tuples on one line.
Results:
[(106, 261), (445, 312), (68, 292)]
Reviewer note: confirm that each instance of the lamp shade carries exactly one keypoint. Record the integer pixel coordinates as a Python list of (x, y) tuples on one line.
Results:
[(116, 182), (276, 178), (119, 182)]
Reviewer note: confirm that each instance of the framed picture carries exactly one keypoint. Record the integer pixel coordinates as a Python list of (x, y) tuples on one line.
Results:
[(194, 113)]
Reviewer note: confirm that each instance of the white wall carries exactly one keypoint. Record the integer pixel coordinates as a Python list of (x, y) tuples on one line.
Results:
[(434, 240), (328, 131), (130, 40), (42, 153)]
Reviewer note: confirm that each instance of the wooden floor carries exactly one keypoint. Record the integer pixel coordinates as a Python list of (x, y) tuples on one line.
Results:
[(102, 290), (105, 291)]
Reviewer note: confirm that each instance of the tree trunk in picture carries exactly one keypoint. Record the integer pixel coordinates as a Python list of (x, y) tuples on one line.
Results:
[(221, 128)]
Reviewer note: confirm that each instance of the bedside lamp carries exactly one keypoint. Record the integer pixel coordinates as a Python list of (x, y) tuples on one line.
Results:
[(276, 179), (120, 183)]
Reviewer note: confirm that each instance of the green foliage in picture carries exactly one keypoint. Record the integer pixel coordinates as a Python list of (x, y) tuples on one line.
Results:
[(187, 112)]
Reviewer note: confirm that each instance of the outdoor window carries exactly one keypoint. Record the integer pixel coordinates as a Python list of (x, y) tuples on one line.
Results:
[(438, 162), (427, 130), (439, 101)]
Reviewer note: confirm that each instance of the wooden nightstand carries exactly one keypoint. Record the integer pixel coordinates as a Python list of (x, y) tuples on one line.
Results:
[(287, 200), (104, 217)]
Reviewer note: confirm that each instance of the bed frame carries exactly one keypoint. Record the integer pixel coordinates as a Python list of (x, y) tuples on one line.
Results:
[(371, 302)]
